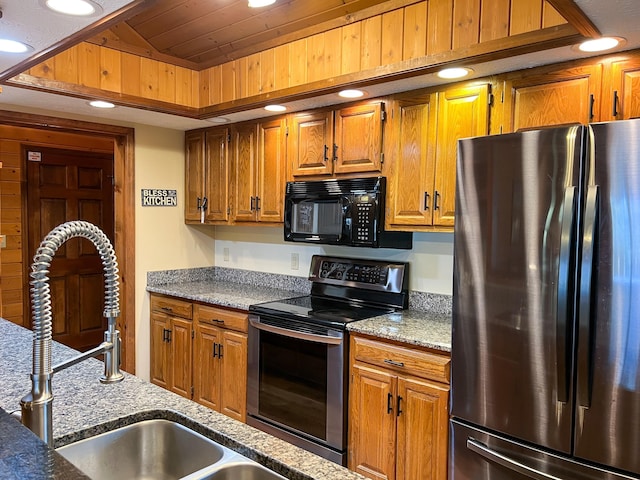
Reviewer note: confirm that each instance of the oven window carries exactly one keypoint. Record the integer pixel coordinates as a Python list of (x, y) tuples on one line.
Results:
[(317, 218), (293, 383)]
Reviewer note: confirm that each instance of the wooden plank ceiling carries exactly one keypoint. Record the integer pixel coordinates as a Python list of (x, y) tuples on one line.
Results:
[(198, 34)]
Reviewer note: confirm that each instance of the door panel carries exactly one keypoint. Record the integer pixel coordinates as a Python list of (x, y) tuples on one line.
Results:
[(511, 365), (207, 373), (234, 372), (70, 185), (608, 411)]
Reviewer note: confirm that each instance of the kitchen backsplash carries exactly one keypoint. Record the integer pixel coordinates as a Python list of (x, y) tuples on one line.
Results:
[(431, 302)]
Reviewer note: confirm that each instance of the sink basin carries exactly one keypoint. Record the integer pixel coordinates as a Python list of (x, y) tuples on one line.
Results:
[(152, 449), (242, 471)]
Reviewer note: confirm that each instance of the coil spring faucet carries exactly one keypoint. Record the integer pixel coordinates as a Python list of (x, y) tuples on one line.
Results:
[(36, 406)]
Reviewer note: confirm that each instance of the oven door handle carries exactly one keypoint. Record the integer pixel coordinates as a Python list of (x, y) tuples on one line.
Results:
[(293, 334)]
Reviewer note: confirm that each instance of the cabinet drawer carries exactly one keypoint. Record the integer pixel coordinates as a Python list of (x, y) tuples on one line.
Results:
[(222, 318), (171, 306), (402, 359)]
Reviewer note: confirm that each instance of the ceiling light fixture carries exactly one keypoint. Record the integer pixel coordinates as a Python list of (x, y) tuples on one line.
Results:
[(457, 72), (101, 104), (260, 3), (217, 120), (351, 93), (12, 46), (78, 8), (275, 108), (600, 44)]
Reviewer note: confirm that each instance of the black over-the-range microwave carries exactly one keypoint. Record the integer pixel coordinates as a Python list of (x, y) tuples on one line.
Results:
[(340, 212)]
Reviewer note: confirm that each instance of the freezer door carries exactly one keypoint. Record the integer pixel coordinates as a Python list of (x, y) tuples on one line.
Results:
[(608, 380), (516, 223), (479, 455)]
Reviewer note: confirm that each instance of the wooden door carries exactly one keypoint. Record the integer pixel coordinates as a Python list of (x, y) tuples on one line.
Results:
[(217, 175), (372, 423), (243, 145), (206, 366), (621, 91), (412, 161), (66, 185), (422, 434), (272, 151), (462, 112), (160, 350), (180, 361), (194, 176), (358, 138), (311, 144), (553, 97), (233, 358)]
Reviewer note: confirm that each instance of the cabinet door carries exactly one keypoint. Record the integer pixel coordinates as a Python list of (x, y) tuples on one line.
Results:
[(358, 138), (462, 112), (243, 144), (194, 175), (372, 423), (233, 359), (180, 359), (272, 151), (159, 350), (206, 371), (311, 144), (422, 433), (217, 174), (621, 92), (553, 97), (411, 161)]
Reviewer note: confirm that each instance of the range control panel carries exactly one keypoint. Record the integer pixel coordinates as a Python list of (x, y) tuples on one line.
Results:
[(371, 274)]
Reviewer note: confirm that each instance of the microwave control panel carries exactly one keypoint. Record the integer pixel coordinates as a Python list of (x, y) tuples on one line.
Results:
[(364, 223)]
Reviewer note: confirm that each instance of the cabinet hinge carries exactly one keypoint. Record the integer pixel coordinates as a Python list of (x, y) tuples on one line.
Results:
[(286, 130), (381, 158), (193, 334), (228, 210), (228, 138), (502, 96), (383, 112), (490, 99)]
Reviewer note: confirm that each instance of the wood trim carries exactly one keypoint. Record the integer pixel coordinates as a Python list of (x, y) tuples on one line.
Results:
[(548, 38), (124, 168), (576, 17), (129, 10)]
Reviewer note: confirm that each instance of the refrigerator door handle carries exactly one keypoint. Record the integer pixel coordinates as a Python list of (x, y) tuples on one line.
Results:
[(566, 240), (507, 462), (586, 278)]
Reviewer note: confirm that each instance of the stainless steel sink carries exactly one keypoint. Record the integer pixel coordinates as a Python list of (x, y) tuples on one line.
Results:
[(152, 449), (242, 471)]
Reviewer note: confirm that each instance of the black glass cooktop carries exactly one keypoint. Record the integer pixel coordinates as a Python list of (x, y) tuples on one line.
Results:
[(320, 310)]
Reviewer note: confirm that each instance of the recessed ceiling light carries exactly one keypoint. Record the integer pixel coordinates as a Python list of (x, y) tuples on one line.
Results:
[(12, 46), (275, 108), (351, 93), (456, 72), (260, 3), (217, 120), (600, 44), (78, 8), (101, 104)]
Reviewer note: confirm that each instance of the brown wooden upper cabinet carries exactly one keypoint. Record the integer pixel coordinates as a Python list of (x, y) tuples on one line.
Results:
[(422, 148), (343, 141), (621, 90), (207, 176), (259, 152)]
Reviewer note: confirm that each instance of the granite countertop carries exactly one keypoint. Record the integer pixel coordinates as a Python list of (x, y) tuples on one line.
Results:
[(84, 407)]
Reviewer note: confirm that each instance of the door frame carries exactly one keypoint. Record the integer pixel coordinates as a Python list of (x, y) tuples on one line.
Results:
[(124, 208)]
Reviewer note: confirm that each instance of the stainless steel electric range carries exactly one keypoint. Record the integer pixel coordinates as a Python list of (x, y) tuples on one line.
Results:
[(298, 350)]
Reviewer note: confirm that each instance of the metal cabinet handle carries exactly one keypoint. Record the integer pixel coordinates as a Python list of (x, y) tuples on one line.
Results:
[(592, 101), (393, 362), (326, 153), (507, 462), (252, 207), (167, 309), (426, 200), (199, 203), (399, 411), (205, 203), (217, 320), (335, 152), (257, 203), (215, 350), (389, 403), (220, 350), (436, 199), (615, 103)]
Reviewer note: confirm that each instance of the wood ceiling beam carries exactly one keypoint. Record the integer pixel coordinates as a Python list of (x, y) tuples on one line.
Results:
[(576, 17)]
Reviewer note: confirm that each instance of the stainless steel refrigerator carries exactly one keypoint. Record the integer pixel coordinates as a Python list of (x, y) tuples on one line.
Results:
[(546, 307)]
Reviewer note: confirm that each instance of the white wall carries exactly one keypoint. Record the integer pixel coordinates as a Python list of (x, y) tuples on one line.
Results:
[(263, 249), (163, 241)]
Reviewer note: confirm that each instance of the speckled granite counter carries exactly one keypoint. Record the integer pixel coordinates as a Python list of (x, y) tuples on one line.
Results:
[(426, 323), (83, 407)]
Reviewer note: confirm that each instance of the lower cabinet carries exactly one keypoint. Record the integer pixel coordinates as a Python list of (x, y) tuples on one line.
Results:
[(398, 411), (200, 352)]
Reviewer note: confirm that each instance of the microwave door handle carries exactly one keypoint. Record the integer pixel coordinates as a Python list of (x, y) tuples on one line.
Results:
[(293, 334)]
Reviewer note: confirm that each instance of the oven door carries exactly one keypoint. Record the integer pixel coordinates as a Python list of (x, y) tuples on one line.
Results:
[(297, 383)]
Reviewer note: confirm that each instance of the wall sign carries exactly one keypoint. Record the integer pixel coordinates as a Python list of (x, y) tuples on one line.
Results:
[(152, 197)]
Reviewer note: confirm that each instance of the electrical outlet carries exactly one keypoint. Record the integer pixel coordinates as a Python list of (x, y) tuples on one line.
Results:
[(225, 254), (295, 261)]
